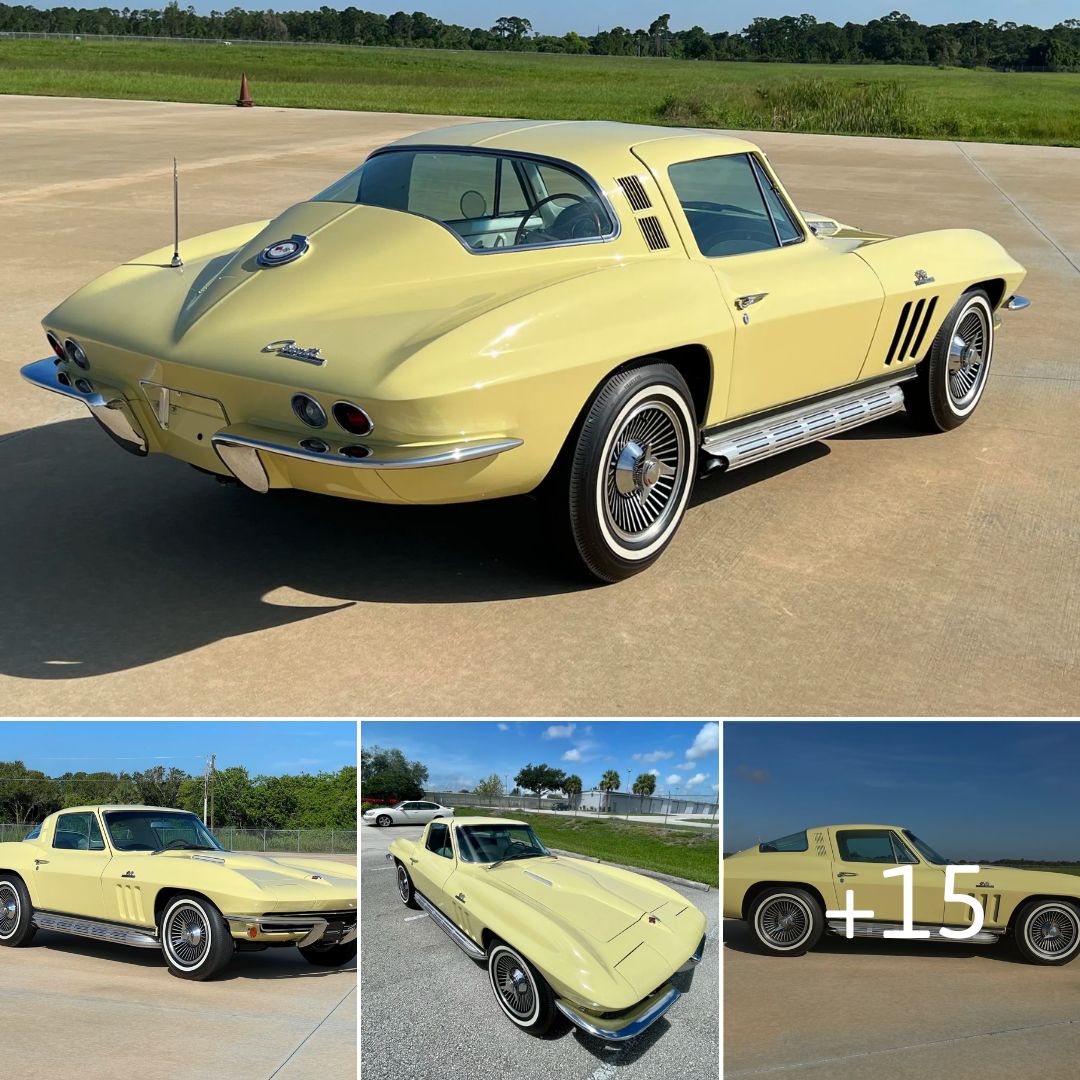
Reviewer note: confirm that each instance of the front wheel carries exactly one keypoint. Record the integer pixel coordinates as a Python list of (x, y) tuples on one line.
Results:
[(328, 955), (383, 820), (195, 938), (631, 472), (521, 991), (1048, 932), (951, 380), (16, 912), (405, 887), (786, 922)]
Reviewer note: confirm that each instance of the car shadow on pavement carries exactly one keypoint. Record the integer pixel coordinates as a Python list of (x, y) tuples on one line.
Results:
[(737, 938), (242, 965), (111, 562)]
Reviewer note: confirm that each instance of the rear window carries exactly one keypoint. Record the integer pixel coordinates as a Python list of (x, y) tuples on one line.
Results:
[(796, 841)]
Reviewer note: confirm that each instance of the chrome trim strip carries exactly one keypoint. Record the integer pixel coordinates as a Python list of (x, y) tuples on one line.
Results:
[(1016, 303), (756, 440), (208, 858), (350, 935), (90, 928), (537, 877), (227, 441), (877, 930), (112, 412), (466, 944), (615, 1033), (695, 956)]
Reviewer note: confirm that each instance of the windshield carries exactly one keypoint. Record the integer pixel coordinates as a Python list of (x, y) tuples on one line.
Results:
[(926, 851), (156, 830), (497, 843), (488, 200)]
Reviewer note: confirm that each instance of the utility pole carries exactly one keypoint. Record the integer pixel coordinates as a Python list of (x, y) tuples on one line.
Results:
[(205, 782), (212, 757)]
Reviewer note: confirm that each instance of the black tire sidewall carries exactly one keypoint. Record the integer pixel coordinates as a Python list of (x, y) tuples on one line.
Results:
[(24, 928), (333, 956), (220, 950), (817, 916), (399, 869), (599, 550), (383, 821), (1023, 922), (544, 1014)]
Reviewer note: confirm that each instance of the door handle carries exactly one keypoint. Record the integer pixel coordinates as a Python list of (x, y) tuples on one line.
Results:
[(40, 862), (743, 302), (846, 873)]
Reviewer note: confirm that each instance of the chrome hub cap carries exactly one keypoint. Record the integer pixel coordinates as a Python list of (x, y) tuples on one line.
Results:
[(402, 882), (9, 911), (515, 986), (1054, 932), (783, 922), (647, 459), (187, 935), (967, 356)]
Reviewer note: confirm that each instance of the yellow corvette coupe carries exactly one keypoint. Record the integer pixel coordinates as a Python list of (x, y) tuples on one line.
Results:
[(594, 313), (158, 879), (793, 890), (597, 944)]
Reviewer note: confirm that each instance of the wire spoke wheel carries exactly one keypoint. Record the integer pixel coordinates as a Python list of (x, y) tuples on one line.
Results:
[(514, 985), (643, 472), (403, 882), (1053, 932), (783, 921), (968, 356), (9, 910), (188, 935)]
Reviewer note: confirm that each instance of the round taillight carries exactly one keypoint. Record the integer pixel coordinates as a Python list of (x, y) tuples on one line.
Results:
[(355, 451), (352, 418), (309, 411), (54, 342), (75, 354), (314, 446)]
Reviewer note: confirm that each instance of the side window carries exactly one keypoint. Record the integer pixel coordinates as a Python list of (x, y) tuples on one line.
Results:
[(409, 806), (785, 224), (874, 846), (558, 181), (78, 832), (438, 840), (724, 206), (795, 842), (446, 186)]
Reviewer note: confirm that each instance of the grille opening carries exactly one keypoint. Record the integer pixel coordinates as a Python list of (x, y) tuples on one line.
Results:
[(653, 233), (634, 192)]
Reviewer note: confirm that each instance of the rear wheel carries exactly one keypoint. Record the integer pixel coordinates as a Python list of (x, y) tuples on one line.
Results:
[(16, 912), (195, 938), (786, 921), (952, 378), (331, 955), (1048, 932), (521, 991)]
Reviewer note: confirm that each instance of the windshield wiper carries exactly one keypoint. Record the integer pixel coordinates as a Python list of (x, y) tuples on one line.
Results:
[(186, 847), (518, 855)]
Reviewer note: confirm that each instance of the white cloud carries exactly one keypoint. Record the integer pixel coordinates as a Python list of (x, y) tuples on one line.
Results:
[(697, 778), (560, 731), (572, 755), (674, 778), (707, 741), (716, 787), (504, 727), (654, 755), (654, 772)]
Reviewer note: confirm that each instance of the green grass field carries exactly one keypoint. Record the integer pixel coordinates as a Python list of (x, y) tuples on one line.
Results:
[(859, 100), (1051, 868), (687, 853)]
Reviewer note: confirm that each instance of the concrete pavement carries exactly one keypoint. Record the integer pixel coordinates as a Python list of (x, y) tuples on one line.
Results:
[(880, 572), (866, 1009)]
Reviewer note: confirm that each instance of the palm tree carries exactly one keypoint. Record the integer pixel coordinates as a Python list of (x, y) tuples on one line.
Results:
[(609, 781), (572, 787), (644, 785)]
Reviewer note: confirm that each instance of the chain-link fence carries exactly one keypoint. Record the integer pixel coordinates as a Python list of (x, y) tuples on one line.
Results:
[(312, 841)]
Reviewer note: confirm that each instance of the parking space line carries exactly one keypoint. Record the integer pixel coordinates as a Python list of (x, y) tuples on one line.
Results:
[(413, 918), (312, 1032)]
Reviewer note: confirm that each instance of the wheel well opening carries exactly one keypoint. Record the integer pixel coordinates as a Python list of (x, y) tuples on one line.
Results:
[(162, 899), (995, 289), (764, 886), (1040, 899)]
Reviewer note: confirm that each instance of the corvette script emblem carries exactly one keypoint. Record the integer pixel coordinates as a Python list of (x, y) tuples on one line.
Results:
[(288, 347)]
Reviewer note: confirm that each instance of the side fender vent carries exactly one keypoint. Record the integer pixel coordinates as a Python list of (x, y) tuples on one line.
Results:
[(653, 232), (910, 330), (634, 192)]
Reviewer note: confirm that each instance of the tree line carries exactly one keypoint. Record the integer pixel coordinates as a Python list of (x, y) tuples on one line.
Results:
[(892, 39), (305, 801)]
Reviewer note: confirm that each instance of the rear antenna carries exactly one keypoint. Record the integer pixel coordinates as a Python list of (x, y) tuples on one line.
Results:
[(176, 260)]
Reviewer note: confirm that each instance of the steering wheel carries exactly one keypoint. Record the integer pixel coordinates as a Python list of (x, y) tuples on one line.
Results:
[(176, 840), (543, 202)]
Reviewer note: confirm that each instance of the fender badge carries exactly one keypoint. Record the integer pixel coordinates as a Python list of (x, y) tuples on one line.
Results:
[(923, 278), (283, 251), (288, 347)]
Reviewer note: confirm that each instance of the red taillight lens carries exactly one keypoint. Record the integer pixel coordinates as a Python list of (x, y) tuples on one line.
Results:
[(352, 418), (57, 348)]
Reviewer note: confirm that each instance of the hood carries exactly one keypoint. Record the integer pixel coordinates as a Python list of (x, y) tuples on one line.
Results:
[(595, 902), (1012, 879), (373, 287)]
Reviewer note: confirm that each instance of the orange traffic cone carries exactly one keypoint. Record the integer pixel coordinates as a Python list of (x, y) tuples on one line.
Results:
[(245, 99)]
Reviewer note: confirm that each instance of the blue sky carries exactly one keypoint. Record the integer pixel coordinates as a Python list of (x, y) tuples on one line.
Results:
[(684, 755), (973, 790), (558, 16), (269, 748)]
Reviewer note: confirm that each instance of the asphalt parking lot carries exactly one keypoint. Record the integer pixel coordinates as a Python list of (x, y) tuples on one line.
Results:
[(879, 572), (428, 1009), (866, 1009), (70, 1007)]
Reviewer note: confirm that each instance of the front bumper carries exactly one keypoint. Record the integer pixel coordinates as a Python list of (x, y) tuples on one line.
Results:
[(300, 929)]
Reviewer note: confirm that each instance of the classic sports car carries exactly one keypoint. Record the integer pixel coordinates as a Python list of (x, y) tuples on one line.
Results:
[(784, 888), (407, 813), (597, 944), (158, 879), (590, 312)]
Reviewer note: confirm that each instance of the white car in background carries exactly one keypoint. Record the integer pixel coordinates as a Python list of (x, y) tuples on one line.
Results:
[(407, 813)]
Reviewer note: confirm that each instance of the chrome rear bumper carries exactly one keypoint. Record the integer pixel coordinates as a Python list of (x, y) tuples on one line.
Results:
[(107, 406), (628, 1024)]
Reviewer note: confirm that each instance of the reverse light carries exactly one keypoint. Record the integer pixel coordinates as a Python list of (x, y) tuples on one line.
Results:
[(74, 352), (309, 411), (352, 418)]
